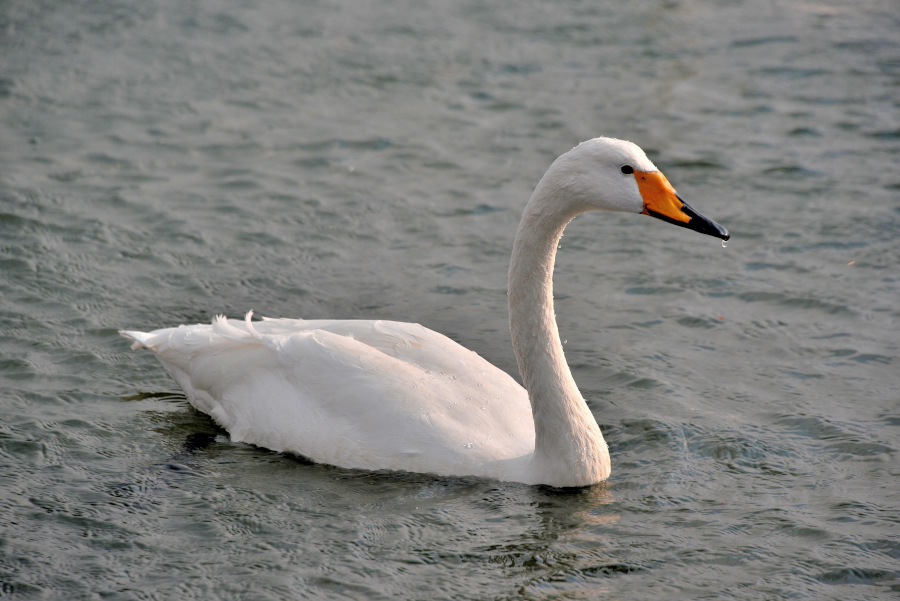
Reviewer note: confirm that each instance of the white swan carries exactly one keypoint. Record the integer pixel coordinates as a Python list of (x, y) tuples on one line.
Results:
[(398, 396)]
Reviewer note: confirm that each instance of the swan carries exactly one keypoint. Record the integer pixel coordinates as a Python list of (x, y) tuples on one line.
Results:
[(386, 395)]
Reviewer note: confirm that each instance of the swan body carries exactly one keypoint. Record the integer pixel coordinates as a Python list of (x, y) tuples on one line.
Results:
[(398, 396)]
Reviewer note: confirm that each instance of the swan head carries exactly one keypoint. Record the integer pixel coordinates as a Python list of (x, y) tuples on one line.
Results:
[(607, 174)]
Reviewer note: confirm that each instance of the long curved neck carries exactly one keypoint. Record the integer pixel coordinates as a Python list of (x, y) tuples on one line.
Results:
[(569, 448)]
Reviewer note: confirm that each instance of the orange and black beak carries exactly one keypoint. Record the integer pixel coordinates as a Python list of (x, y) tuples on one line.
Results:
[(662, 202)]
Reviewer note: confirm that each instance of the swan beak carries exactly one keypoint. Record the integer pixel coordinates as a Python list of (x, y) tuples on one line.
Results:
[(661, 201)]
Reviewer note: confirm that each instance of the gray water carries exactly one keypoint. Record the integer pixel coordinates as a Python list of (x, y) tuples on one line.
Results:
[(164, 161)]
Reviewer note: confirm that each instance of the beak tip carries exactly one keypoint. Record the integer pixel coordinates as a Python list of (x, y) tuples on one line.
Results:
[(715, 230), (704, 225)]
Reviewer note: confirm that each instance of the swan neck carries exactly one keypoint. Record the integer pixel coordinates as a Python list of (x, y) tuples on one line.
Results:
[(535, 334), (568, 444)]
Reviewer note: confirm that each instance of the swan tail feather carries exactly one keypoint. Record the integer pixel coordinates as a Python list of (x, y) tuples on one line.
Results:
[(141, 339)]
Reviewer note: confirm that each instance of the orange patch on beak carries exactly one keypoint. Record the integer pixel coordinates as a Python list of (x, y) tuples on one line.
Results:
[(659, 196)]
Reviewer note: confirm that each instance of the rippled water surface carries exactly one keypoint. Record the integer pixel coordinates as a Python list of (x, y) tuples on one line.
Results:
[(163, 161)]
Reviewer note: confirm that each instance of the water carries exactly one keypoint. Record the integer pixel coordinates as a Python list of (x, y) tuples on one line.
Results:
[(165, 161)]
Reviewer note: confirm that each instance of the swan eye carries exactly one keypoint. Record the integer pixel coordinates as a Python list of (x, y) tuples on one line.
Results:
[(627, 169)]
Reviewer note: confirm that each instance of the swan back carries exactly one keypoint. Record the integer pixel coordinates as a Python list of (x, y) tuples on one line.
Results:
[(354, 393)]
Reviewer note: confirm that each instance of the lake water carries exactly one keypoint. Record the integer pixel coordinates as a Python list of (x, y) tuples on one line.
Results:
[(163, 161)]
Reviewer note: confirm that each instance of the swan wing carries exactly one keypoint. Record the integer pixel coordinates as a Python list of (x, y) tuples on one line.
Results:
[(352, 393)]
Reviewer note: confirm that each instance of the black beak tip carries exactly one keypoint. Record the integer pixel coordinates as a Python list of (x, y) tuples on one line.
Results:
[(704, 225)]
